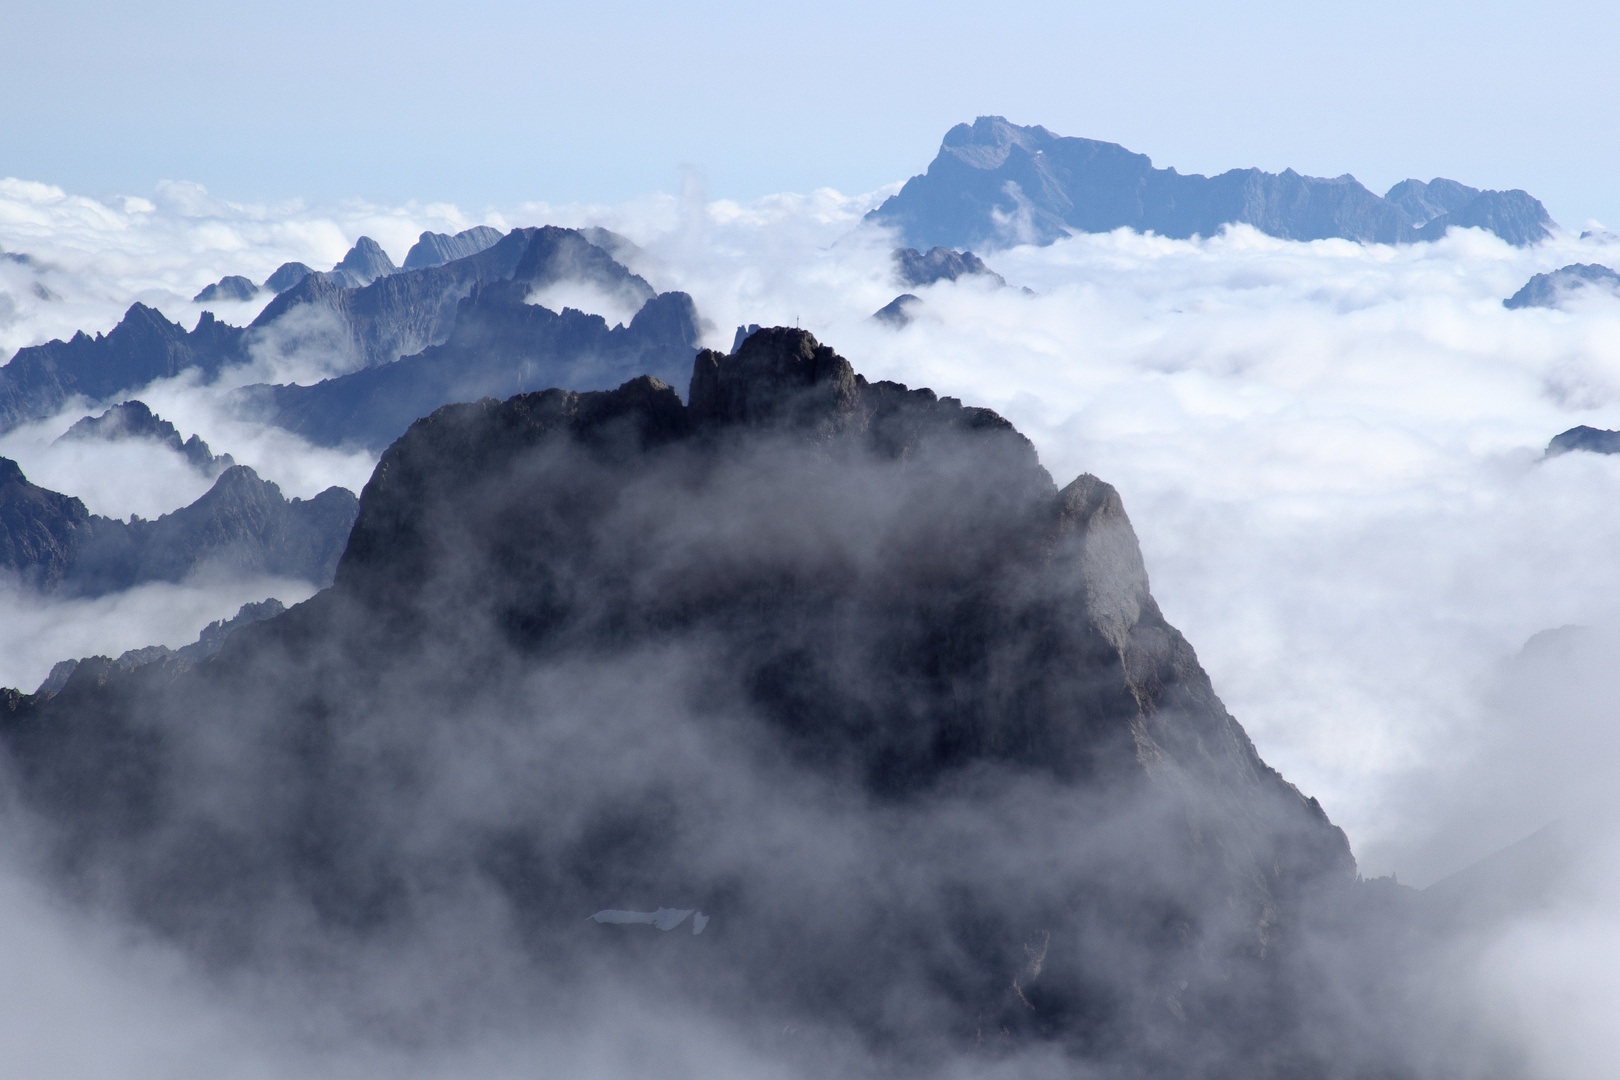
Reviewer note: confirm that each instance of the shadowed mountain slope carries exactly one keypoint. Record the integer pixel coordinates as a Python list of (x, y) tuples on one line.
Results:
[(832, 663)]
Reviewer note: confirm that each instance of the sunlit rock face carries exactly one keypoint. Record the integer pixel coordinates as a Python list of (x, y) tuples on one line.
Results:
[(833, 664)]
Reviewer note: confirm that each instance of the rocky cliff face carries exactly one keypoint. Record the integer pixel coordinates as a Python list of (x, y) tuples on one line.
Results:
[(834, 662), (243, 524), (996, 184)]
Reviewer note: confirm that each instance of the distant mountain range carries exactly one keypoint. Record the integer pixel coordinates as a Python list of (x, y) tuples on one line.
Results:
[(51, 542), (995, 184), (364, 263), (397, 314)]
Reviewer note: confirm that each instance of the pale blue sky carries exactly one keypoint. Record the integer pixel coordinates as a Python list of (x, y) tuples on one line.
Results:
[(486, 102)]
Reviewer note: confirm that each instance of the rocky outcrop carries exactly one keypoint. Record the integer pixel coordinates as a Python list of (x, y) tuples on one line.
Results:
[(135, 420), (1553, 289), (914, 268), (242, 524), (501, 345), (144, 346), (233, 288), (996, 184), (436, 249), (832, 661)]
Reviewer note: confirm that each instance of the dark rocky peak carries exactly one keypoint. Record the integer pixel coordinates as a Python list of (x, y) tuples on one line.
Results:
[(743, 333), (996, 184), (143, 347), (834, 661), (1553, 289), (940, 264), (364, 263), (286, 276), (1594, 440), (228, 289), (779, 376), (436, 249), (135, 420)]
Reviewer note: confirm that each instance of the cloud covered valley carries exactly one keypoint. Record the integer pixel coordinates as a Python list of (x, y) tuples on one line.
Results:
[(1332, 454)]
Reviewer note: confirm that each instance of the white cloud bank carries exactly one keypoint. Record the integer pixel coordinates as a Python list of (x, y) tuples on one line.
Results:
[(1331, 452)]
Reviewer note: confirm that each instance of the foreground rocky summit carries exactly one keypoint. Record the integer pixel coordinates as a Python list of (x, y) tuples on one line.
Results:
[(833, 663)]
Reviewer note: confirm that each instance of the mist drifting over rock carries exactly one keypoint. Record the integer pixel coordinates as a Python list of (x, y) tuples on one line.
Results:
[(832, 661)]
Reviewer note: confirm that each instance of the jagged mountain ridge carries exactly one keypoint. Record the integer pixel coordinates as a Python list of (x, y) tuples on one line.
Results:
[(994, 183), (397, 315), (835, 661), (134, 419), (242, 524), (501, 345)]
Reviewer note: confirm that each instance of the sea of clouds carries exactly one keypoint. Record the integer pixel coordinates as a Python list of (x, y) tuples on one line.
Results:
[(1332, 454)]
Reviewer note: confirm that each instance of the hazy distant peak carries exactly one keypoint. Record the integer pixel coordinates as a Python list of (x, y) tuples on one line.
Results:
[(1551, 290), (286, 276), (231, 288), (996, 184), (365, 263), (939, 264), (1425, 202)]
